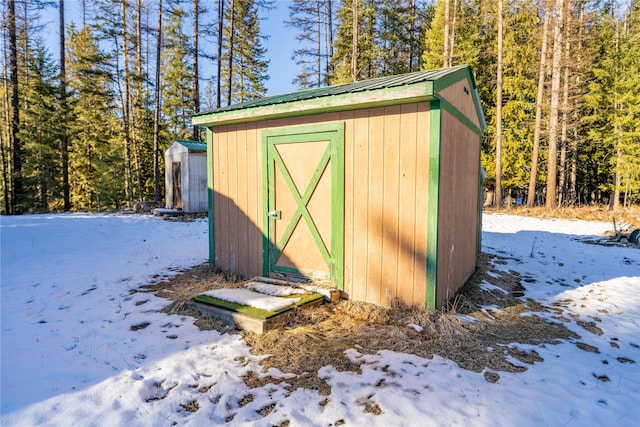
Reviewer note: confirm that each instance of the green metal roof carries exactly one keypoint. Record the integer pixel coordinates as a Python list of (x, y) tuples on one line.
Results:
[(361, 86), (410, 87), (193, 145)]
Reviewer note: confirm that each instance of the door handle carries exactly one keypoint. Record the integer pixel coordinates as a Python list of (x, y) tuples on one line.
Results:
[(274, 214)]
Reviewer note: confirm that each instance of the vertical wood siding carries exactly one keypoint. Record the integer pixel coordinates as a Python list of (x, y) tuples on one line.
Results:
[(385, 212), (457, 227), (459, 95)]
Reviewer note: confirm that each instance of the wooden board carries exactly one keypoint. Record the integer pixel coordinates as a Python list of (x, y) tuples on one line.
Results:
[(244, 321), (457, 227)]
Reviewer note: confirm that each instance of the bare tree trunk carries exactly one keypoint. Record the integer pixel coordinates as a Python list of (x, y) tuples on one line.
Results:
[(5, 133), (84, 13), (371, 35), (498, 199), (5, 181), (219, 59), (565, 112), (126, 107), (555, 101), (319, 45), (231, 41), (538, 122), (16, 173), (412, 29), (64, 140), (25, 44), (146, 82), (354, 41), (323, 10), (615, 203), (196, 71), (139, 45), (452, 32), (156, 115), (330, 31), (627, 202), (445, 51), (573, 178), (323, 15), (137, 103)]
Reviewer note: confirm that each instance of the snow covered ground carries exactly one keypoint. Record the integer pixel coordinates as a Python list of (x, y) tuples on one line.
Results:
[(75, 350)]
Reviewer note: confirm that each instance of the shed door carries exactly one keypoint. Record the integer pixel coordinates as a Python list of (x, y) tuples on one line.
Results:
[(304, 197), (176, 175)]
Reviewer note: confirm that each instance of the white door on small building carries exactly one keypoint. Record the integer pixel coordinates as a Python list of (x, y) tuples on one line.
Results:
[(176, 174)]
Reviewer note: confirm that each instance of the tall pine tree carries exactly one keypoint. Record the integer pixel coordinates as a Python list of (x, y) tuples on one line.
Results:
[(177, 82), (244, 66), (313, 21), (95, 157), (40, 133)]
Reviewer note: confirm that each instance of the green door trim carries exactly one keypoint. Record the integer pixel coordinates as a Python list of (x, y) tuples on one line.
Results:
[(332, 157)]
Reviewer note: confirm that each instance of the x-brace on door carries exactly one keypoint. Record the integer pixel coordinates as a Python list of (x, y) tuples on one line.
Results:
[(304, 201)]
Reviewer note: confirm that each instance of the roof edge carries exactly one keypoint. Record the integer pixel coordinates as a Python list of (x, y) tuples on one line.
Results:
[(416, 92), (191, 145)]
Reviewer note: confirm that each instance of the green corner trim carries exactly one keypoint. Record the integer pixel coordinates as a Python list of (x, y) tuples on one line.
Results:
[(479, 224), (433, 210), (334, 156), (210, 194)]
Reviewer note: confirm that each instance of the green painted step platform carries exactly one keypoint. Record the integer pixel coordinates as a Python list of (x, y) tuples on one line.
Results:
[(251, 318)]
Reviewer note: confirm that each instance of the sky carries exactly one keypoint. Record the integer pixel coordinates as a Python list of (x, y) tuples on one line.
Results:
[(282, 68), (82, 344), (280, 44)]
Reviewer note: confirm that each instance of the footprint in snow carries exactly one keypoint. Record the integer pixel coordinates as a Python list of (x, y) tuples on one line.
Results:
[(158, 390), (139, 326), (88, 291)]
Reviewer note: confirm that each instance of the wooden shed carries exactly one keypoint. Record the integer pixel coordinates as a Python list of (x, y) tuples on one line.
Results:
[(186, 176), (373, 186)]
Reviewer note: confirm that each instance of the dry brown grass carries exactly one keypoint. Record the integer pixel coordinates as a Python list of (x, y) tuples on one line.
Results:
[(319, 336), (587, 212)]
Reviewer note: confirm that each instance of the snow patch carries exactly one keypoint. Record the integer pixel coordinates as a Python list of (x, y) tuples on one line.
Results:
[(486, 286), (274, 290), (252, 298), (415, 327), (69, 356)]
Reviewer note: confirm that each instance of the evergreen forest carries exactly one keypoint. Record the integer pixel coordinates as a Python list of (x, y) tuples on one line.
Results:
[(85, 124)]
